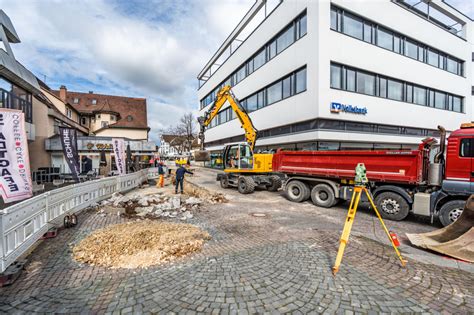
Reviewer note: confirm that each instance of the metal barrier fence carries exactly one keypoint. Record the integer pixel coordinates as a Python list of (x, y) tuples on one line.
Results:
[(22, 224)]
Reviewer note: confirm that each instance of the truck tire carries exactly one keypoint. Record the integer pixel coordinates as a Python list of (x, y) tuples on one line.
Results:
[(297, 191), (246, 185), (275, 181), (224, 180), (322, 195), (392, 206), (451, 211)]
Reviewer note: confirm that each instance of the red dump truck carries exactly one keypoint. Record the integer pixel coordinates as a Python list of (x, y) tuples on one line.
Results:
[(401, 180)]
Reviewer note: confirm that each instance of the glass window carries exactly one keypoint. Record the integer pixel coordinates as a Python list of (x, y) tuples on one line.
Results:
[(336, 76), (76, 100), (466, 148), (442, 62), (452, 65), (287, 87), (259, 60), (384, 39), (334, 19), (433, 58), (352, 26), (303, 26), (252, 104), (383, 87), (240, 75), (396, 44), (411, 49), (350, 80), (285, 39), (250, 66), (395, 90), (440, 100), (409, 95), (365, 83), (272, 49), (274, 93), (94, 101), (431, 98), (421, 54), (367, 32), (457, 104), (301, 80), (419, 95), (261, 99)]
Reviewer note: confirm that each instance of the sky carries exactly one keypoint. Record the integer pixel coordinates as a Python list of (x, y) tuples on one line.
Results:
[(141, 48)]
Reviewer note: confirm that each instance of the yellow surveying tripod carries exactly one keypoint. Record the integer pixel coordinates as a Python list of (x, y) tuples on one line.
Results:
[(360, 186)]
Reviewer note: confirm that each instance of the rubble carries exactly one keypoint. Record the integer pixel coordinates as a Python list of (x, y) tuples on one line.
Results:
[(139, 244)]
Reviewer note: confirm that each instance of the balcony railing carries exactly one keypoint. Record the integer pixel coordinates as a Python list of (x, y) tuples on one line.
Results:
[(11, 101)]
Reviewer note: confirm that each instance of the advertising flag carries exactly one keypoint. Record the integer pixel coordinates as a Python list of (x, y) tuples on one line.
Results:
[(15, 177), (119, 153), (69, 144)]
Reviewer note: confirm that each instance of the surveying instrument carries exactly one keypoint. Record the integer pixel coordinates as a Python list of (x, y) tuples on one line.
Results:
[(360, 185)]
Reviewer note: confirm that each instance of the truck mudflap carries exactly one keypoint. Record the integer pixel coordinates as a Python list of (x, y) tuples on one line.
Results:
[(455, 240)]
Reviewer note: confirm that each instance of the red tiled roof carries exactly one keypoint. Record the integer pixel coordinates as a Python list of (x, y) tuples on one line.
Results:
[(125, 106)]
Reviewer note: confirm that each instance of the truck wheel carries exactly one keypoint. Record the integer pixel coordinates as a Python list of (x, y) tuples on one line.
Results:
[(245, 185), (322, 195), (297, 191), (224, 182), (451, 211), (392, 206), (275, 181)]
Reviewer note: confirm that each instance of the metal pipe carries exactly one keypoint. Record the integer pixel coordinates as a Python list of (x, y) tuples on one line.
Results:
[(442, 144)]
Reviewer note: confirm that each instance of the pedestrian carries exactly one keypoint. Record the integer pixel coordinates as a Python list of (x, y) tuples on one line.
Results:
[(161, 173), (180, 177)]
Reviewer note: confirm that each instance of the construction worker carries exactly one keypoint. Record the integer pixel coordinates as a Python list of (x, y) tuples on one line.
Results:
[(161, 173), (180, 177)]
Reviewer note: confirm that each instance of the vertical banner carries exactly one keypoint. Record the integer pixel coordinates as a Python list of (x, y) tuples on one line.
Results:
[(119, 153), (69, 144), (15, 177)]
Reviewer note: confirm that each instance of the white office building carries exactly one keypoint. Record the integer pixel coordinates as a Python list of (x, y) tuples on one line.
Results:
[(343, 74)]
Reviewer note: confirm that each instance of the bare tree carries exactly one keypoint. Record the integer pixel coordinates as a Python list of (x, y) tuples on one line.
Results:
[(183, 133), (187, 129)]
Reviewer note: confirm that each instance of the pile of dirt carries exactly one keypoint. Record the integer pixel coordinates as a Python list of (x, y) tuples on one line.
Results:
[(204, 194), (139, 244)]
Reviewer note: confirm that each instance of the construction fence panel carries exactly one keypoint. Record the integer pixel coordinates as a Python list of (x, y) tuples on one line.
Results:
[(24, 223)]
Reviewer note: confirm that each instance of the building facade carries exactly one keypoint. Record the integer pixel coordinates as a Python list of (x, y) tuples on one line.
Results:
[(18, 85), (344, 74)]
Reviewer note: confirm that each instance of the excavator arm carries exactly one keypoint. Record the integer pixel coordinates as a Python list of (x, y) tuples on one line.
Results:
[(225, 94)]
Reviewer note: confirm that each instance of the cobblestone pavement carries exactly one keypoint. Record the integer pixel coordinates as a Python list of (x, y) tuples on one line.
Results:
[(280, 263)]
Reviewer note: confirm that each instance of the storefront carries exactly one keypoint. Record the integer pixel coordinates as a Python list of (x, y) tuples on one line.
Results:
[(91, 149)]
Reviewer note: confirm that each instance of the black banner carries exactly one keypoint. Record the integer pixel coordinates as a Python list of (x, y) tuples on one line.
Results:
[(69, 144)]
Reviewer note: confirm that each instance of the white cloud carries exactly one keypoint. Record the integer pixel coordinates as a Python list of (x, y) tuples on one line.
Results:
[(152, 49)]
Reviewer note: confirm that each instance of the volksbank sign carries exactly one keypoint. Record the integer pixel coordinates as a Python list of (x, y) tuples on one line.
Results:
[(338, 107)]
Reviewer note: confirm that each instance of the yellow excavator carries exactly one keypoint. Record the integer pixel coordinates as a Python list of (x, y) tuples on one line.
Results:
[(243, 168)]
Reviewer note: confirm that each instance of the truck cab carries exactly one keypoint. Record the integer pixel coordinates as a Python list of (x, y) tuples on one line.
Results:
[(457, 184)]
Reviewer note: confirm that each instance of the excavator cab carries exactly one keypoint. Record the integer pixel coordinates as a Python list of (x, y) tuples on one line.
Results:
[(238, 157)]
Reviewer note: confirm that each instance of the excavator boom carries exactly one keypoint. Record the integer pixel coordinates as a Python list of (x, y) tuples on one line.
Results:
[(225, 94)]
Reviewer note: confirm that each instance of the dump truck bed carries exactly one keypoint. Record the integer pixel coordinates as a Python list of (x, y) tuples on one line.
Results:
[(396, 166)]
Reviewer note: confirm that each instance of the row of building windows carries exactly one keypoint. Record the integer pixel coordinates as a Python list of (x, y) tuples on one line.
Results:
[(364, 82), (367, 31), (333, 125), (285, 87), (290, 34)]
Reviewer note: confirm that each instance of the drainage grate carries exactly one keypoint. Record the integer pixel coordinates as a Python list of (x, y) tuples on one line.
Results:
[(258, 215)]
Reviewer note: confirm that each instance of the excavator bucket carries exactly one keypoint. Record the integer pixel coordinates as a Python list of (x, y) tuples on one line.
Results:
[(202, 156), (455, 240)]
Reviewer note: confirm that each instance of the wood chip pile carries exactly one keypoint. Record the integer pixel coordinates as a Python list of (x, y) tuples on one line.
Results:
[(139, 244)]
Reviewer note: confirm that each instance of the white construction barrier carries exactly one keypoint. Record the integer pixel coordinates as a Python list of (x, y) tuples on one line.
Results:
[(22, 224)]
